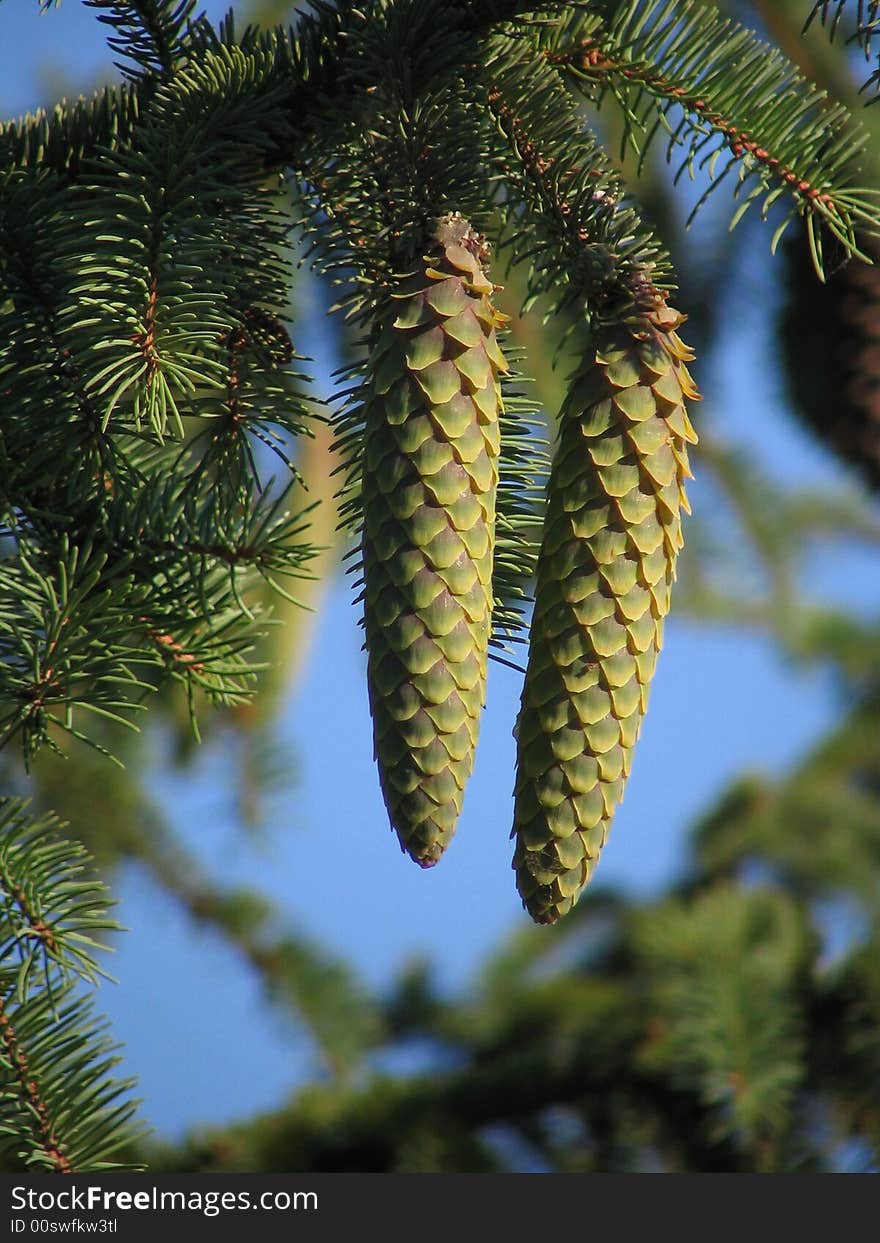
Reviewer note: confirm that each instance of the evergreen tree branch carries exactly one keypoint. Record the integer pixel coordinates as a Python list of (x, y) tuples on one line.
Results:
[(146, 335), (60, 1110), (845, 1062), (867, 25), (65, 642), (412, 156), (149, 32), (726, 970), (51, 909), (320, 992), (590, 240), (819, 828), (40, 381), (146, 375), (127, 333), (317, 62), (710, 86), (555, 1044), (42, 1135)]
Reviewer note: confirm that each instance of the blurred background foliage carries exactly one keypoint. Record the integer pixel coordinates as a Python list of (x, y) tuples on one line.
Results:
[(730, 1023)]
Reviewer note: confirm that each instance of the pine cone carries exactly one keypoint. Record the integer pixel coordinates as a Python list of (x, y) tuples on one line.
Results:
[(429, 483), (612, 533), (830, 337)]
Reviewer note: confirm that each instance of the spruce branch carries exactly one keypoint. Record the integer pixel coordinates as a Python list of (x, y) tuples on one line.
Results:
[(318, 61), (68, 139), (712, 87), (183, 530), (60, 1109), (65, 643), (819, 827), (152, 293), (40, 383), (42, 1134), (726, 972), (371, 201), (146, 373), (554, 1045), (867, 25), (587, 247), (155, 302), (149, 32), (319, 991), (51, 908)]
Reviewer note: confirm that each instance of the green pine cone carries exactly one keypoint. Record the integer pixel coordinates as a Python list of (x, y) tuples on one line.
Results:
[(430, 476), (611, 536)]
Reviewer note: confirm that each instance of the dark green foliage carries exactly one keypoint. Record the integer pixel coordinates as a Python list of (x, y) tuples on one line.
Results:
[(585, 247), (830, 334), (55, 1066), (142, 305), (149, 390), (721, 1027), (52, 908), (706, 1030), (745, 107), (60, 1110), (867, 24), (152, 34)]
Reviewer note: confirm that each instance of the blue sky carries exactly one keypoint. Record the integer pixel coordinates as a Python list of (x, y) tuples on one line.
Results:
[(722, 702)]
